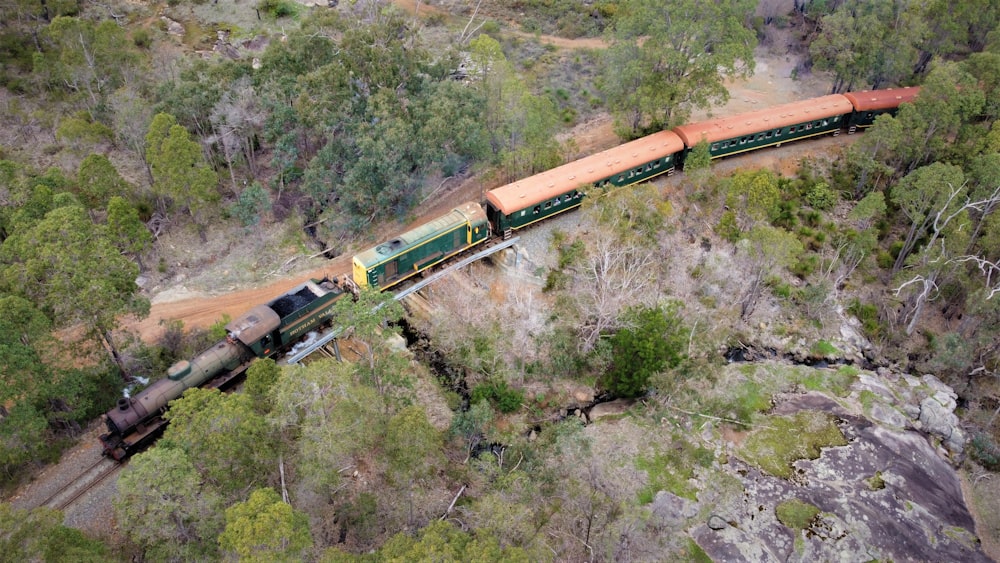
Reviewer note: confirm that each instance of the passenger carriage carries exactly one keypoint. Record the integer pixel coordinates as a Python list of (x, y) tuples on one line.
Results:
[(771, 126), (548, 193), (869, 104)]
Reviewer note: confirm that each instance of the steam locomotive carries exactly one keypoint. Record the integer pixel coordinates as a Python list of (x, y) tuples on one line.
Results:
[(264, 331)]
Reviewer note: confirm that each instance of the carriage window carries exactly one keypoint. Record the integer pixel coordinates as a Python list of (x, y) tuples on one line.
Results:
[(825, 123), (791, 129), (768, 135), (715, 146), (537, 209), (576, 195), (777, 132), (621, 178), (557, 201), (809, 126), (548, 204), (656, 164)]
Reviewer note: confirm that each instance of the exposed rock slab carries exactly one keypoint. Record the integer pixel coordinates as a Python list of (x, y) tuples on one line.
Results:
[(887, 495)]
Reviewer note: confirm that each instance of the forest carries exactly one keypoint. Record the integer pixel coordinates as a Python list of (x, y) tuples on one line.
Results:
[(142, 140)]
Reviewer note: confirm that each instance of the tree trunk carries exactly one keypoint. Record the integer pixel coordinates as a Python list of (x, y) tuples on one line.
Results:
[(109, 343)]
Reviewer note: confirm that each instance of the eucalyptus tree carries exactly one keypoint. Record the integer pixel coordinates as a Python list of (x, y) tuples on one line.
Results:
[(91, 59), (869, 43), (227, 440), (265, 528), (72, 269), (670, 56), (180, 173), (165, 506), (98, 181)]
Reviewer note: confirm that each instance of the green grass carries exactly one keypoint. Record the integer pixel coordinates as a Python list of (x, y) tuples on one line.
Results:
[(823, 349), (796, 514), (671, 470), (837, 383), (780, 440)]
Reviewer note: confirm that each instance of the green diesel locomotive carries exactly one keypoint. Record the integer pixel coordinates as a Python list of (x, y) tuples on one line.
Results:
[(418, 249)]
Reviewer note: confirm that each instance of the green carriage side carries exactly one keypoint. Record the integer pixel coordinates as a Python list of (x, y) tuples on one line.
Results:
[(418, 249), (869, 104), (543, 195), (772, 126)]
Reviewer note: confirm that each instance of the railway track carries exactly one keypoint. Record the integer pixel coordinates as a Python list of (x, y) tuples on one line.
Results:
[(99, 471)]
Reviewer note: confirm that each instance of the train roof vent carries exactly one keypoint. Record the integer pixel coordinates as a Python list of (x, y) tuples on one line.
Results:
[(179, 370), (390, 247)]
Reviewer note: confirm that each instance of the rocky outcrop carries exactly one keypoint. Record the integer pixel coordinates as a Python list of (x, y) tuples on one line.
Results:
[(889, 494)]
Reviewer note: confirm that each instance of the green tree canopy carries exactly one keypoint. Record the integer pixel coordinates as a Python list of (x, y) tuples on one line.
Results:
[(86, 57), (264, 528), (869, 43), (330, 420), (670, 56), (164, 505), (921, 196), (652, 342), (126, 230), (39, 535), (98, 181), (442, 541), (180, 172), (71, 268), (225, 438)]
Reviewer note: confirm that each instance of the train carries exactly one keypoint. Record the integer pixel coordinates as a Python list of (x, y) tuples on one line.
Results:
[(535, 198), (264, 331), (272, 329)]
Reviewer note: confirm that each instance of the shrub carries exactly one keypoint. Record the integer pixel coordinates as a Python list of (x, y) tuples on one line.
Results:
[(868, 315), (821, 197), (985, 451), (499, 394), (653, 343), (727, 227), (278, 8), (141, 38)]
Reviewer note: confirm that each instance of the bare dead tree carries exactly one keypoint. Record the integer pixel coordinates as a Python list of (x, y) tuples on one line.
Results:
[(934, 264), (616, 276), (466, 34)]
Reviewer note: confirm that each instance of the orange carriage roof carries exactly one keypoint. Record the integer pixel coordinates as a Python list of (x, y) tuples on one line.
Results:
[(721, 128), (589, 169), (871, 100)]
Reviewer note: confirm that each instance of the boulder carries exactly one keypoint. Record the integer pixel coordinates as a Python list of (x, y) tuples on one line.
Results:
[(611, 408)]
